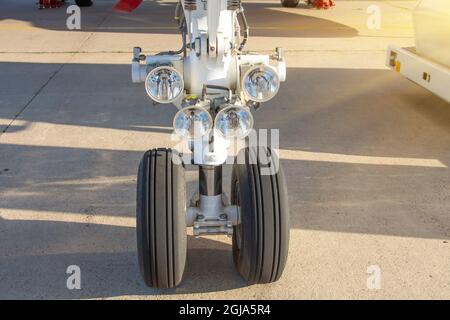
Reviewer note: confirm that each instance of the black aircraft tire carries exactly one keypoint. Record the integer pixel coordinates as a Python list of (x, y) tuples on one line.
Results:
[(160, 219), (261, 240)]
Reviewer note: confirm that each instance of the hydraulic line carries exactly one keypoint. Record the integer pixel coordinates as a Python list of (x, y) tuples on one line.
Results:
[(182, 26), (246, 28), (189, 6)]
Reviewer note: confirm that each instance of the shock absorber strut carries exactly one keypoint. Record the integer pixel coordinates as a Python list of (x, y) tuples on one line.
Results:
[(211, 217), (210, 180)]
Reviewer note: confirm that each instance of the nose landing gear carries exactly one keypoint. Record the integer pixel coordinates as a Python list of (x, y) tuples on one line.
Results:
[(215, 84)]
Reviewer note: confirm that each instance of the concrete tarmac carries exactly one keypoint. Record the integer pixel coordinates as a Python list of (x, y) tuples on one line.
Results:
[(365, 151)]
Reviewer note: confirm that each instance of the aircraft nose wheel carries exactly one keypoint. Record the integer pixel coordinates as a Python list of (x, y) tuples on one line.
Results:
[(261, 240), (161, 220), (260, 230)]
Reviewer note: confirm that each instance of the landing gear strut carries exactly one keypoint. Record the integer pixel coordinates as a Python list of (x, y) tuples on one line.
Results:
[(215, 85)]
